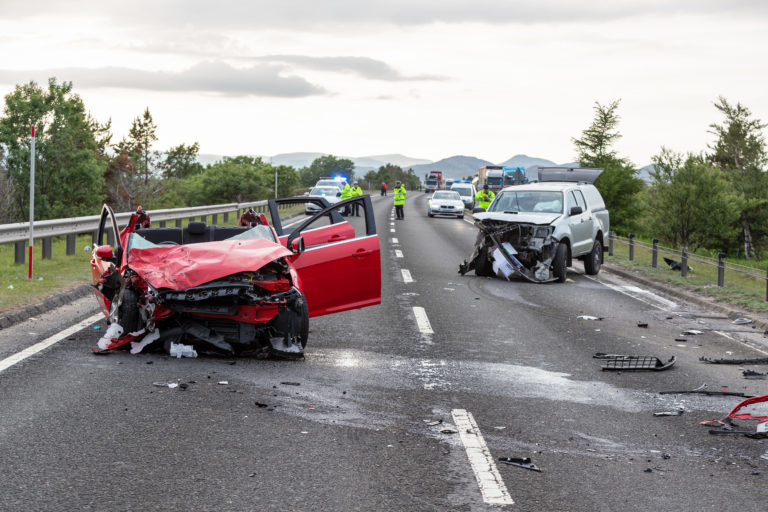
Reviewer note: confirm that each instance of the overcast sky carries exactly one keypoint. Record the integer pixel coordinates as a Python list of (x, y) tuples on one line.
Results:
[(424, 78)]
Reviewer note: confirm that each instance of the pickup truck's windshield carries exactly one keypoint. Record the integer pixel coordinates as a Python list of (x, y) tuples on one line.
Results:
[(528, 201)]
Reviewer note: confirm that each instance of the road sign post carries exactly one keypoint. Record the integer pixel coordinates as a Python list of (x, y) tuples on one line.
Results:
[(31, 201)]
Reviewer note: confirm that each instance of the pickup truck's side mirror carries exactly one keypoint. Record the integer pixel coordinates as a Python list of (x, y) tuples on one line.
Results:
[(478, 209), (576, 210)]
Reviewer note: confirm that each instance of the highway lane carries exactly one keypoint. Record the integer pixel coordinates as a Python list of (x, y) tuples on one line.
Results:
[(82, 431)]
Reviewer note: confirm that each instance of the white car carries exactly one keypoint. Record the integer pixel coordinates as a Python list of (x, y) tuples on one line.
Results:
[(467, 192), (331, 194), (328, 182), (446, 202), (536, 230)]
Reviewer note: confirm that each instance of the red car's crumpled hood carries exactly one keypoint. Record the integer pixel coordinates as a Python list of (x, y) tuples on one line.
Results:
[(185, 266)]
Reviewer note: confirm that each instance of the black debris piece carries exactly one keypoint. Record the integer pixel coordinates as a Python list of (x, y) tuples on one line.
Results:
[(759, 360), (649, 470), (643, 325), (449, 431), (637, 363), (291, 383), (751, 374), (680, 339), (677, 412), (705, 392), (261, 405), (603, 355), (521, 462), (183, 385), (675, 265)]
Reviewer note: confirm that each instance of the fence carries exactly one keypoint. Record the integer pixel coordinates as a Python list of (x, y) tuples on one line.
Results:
[(18, 233), (719, 263)]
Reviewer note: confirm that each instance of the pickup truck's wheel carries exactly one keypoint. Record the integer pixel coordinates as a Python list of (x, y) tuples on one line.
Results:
[(483, 267), (593, 260), (559, 267)]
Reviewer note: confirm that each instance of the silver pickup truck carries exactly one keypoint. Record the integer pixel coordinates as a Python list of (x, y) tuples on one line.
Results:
[(536, 230)]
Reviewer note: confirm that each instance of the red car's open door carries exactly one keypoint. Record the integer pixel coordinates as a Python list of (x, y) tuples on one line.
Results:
[(340, 275)]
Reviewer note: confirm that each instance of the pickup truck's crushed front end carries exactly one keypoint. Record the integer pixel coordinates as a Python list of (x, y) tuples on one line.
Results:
[(511, 248)]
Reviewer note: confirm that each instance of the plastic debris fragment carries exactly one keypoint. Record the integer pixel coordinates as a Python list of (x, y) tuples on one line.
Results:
[(643, 325), (742, 321), (589, 317), (113, 332), (178, 350), (676, 412), (705, 392), (138, 346), (521, 462), (751, 374), (636, 363), (449, 431), (760, 360), (692, 332)]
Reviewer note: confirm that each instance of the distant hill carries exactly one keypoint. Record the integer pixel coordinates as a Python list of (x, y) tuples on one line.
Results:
[(644, 173), (454, 168), (527, 161)]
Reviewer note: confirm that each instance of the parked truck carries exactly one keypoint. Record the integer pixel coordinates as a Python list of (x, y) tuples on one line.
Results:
[(494, 177), (434, 181), (514, 176)]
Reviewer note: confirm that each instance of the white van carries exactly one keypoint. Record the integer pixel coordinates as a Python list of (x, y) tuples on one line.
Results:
[(467, 192)]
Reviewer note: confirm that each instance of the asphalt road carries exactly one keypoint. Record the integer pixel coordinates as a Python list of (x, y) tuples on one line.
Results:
[(506, 371)]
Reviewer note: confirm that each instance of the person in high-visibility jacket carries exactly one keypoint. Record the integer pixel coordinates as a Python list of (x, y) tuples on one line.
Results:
[(399, 201), (356, 192), (485, 197), (346, 193)]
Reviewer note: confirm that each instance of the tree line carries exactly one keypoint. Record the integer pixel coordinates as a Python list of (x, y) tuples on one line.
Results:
[(713, 199)]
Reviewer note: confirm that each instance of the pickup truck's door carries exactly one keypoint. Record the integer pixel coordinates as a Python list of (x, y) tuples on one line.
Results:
[(581, 224)]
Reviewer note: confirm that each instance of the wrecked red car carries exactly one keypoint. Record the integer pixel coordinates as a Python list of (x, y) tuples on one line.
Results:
[(231, 290)]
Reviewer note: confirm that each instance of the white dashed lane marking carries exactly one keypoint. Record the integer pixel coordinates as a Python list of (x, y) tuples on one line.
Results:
[(422, 320), (398, 253), (394, 240), (488, 478), (406, 275)]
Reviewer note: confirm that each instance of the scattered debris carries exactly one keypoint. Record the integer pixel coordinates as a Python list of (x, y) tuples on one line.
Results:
[(499, 428), (675, 265), (760, 360), (521, 462), (10, 287), (223, 382), (96, 327), (179, 350), (261, 405), (589, 317), (751, 374), (632, 363), (434, 423), (677, 412), (705, 392), (166, 384), (692, 332), (291, 383), (681, 339), (742, 321), (643, 325), (449, 431)]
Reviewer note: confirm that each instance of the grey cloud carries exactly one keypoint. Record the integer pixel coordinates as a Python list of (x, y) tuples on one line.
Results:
[(362, 66), (215, 77), (303, 14)]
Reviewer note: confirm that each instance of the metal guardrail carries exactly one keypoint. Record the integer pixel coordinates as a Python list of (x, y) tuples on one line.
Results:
[(18, 233), (685, 257)]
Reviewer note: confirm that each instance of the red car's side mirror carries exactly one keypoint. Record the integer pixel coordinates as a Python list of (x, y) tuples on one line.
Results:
[(297, 245), (104, 252)]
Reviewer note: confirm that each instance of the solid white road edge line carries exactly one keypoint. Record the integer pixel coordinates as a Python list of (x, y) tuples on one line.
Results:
[(34, 349), (422, 320), (488, 478), (406, 275)]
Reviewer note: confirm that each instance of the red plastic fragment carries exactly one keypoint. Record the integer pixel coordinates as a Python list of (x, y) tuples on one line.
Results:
[(746, 415)]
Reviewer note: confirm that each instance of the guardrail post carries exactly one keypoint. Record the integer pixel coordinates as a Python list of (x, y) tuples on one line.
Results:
[(47, 248), (766, 284), (19, 253), (71, 244), (610, 243), (178, 223), (631, 247), (655, 254), (684, 263), (721, 269), (214, 219), (110, 237), (226, 218), (94, 237), (162, 223)]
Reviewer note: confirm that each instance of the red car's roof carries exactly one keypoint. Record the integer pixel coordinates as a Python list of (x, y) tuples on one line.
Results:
[(185, 266)]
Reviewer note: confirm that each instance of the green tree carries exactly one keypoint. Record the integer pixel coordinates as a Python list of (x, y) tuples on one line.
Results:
[(619, 183), (739, 152), (327, 166), (141, 137), (68, 169), (685, 195), (181, 161), (234, 180), (287, 180)]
